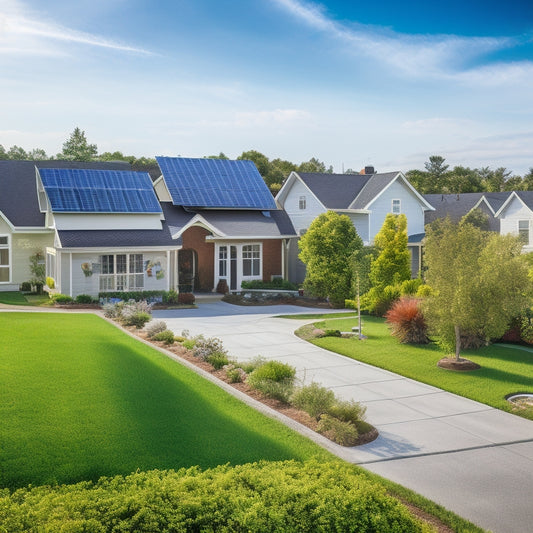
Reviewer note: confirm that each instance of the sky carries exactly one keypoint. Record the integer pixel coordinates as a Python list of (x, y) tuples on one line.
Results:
[(353, 84)]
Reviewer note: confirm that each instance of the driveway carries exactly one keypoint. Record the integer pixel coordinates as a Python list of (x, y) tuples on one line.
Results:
[(475, 460)]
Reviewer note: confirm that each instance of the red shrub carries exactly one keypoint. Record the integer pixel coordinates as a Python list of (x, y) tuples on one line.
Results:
[(406, 321), (186, 298)]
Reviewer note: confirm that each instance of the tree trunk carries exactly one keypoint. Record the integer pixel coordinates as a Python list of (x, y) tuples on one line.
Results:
[(457, 342)]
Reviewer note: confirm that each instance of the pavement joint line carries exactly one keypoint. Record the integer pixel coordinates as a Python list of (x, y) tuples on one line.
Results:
[(435, 417), (445, 452)]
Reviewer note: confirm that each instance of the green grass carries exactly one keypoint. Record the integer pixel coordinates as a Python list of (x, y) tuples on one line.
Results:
[(18, 298), (80, 399), (504, 370)]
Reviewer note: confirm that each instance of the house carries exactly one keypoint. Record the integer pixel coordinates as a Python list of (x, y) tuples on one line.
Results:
[(366, 198), (507, 212), (102, 227)]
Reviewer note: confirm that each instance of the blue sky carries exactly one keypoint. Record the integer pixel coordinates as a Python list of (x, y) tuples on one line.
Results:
[(352, 84)]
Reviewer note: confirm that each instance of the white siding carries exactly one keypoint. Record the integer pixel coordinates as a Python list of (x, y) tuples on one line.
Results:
[(514, 212), (301, 218), (410, 207), (88, 221), (360, 221)]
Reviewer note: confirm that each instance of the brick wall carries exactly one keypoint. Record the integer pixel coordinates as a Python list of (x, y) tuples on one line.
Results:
[(271, 259), (194, 238)]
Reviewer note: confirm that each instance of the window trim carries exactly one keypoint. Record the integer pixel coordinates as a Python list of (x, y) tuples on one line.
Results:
[(524, 233), (9, 265), (398, 202), (302, 202), (127, 278), (253, 260)]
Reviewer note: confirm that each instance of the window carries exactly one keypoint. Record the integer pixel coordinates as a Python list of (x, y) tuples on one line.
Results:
[(223, 261), (302, 204), (121, 272), (396, 206), (251, 260), (523, 231), (4, 259)]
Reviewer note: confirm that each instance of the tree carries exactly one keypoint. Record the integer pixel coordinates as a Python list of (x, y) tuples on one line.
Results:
[(16, 152), (314, 165), (463, 179), (37, 154), (477, 218), (327, 249), (437, 174), (76, 148), (419, 180), (479, 282), (3, 153), (261, 161)]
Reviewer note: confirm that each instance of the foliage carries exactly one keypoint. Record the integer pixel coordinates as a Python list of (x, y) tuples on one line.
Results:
[(235, 374), (391, 266), (84, 299), (314, 399), (274, 379), (186, 298), (95, 401), (252, 364), (137, 319), (477, 218), (218, 360), (348, 411), (170, 297), (62, 299), (138, 296), (276, 283), (50, 282), (165, 336), (327, 249), (205, 347), (342, 433), (37, 268), (131, 313), (266, 496), (479, 280), (332, 333), (77, 148), (25, 286), (407, 322), (154, 327), (526, 330)]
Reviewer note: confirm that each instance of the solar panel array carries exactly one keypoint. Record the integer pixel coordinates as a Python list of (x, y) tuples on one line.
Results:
[(215, 183), (99, 191)]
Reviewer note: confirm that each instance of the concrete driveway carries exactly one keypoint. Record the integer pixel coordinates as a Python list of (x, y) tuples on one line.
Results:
[(474, 460)]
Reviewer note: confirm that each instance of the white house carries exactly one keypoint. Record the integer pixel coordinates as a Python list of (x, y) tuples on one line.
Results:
[(366, 198)]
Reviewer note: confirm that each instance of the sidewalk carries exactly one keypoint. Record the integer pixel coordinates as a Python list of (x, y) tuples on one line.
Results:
[(471, 458)]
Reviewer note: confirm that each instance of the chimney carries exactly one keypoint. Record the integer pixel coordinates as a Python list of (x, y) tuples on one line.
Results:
[(369, 170)]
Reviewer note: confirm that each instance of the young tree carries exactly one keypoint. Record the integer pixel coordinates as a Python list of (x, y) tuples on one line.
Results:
[(327, 249), (437, 174), (479, 281), (76, 148)]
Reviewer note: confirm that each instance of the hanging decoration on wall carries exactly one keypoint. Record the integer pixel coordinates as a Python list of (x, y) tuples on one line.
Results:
[(154, 268), (87, 269)]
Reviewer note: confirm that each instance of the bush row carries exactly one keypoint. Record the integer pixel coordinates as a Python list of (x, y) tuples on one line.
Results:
[(267, 496), (166, 297), (276, 283)]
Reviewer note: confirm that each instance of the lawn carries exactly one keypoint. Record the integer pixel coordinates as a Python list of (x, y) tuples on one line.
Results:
[(504, 370), (80, 399), (18, 298)]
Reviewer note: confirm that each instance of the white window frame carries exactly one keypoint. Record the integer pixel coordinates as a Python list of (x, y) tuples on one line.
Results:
[(256, 260), (6, 246), (130, 277), (302, 203), (396, 206), (524, 231), (223, 262)]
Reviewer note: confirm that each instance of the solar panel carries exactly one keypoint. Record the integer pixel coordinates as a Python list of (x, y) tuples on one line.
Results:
[(215, 183), (99, 191)]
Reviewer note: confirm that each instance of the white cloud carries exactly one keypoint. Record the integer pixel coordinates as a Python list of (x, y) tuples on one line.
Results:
[(424, 56), (23, 32)]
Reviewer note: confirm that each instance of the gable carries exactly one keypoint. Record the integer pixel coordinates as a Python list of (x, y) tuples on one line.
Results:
[(215, 183)]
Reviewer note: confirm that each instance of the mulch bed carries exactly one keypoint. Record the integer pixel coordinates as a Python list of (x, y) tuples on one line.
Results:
[(463, 365)]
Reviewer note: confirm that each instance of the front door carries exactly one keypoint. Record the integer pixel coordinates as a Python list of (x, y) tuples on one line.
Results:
[(187, 269)]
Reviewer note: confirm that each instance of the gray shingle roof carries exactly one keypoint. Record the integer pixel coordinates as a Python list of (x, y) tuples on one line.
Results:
[(373, 187), (526, 197), (335, 191), (18, 191)]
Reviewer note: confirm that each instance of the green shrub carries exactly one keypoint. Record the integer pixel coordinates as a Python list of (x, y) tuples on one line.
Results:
[(274, 379), (250, 366), (154, 327), (347, 411), (25, 286), (410, 286), (343, 433), (314, 399), (189, 344), (235, 374), (203, 348), (62, 299), (170, 297), (218, 360), (84, 299), (137, 319), (423, 291), (276, 283), (165, 336), (50, 283), (287, 496), (332, 333)]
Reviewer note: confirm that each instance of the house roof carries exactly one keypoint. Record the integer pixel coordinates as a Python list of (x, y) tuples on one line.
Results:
[(456, 206), (215, 183), (372, 188), (335, 191), (18, 191), (75, 190)]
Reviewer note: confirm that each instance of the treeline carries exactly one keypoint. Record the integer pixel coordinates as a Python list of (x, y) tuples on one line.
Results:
[(436, 178)]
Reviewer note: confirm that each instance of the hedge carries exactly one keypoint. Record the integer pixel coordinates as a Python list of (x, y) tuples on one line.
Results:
[(267, 496)]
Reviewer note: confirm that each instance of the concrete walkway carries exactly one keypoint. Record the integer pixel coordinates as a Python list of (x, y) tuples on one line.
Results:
[(473, 459)]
